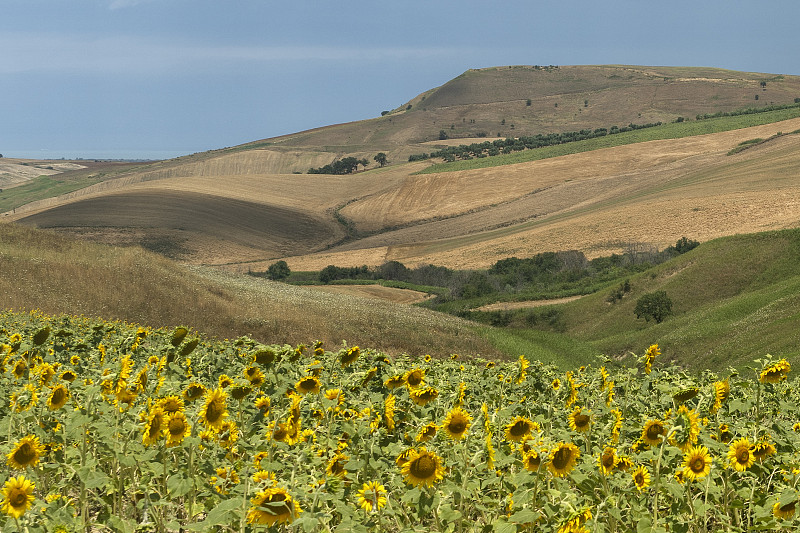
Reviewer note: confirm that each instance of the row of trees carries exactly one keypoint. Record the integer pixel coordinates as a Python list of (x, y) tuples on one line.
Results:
[(749, 110), (516, 144), (348, 165)]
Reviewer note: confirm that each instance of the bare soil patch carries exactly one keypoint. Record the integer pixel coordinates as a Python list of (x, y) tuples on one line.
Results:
[(391, 294), (510, 306)]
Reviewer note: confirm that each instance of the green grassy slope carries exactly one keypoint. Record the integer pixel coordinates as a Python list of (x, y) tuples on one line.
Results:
[(734, 299)]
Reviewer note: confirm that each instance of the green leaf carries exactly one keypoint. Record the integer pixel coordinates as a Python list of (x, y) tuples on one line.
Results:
[(501, 526), (178, 485)]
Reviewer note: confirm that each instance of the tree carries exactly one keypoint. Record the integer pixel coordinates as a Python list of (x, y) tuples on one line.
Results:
[(278, 271), (655, 305), (443, 135), (380, 158)]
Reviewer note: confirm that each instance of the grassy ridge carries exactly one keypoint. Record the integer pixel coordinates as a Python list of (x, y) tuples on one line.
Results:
[(40, 188), (734, 299), (676, 130)]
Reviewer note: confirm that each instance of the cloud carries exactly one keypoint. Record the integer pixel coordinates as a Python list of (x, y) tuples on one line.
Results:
[(32, 52)]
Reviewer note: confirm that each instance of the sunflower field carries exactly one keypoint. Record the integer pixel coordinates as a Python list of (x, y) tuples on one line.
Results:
[(108, 426)]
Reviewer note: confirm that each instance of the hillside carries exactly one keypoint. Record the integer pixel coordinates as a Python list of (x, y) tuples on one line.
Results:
[(57, 275), (244, 207), (734, 300)]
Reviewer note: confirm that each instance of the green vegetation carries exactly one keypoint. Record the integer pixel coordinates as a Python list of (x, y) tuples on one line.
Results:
[(675, 130), (656, 305), (41, 188), (164, 430)]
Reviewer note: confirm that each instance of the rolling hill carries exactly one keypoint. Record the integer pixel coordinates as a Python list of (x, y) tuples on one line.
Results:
[(242, 208)]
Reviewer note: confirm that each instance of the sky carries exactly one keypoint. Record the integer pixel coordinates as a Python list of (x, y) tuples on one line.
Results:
[(160, 78)]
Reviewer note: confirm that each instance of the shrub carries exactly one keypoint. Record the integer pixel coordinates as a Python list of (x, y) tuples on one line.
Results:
[(656, 305), (278, 271)]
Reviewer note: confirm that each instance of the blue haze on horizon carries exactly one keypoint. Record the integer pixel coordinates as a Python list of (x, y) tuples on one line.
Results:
[(161, 78)]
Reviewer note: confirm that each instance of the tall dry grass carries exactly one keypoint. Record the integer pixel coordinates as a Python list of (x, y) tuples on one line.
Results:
[(46, 271)]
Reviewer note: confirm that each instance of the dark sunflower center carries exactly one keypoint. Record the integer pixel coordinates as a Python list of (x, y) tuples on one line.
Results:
[(307, 384), (25, 455), (561, 458), (457, 425), (213, 412), (743, 456), (176, 426), (519, 429), (581, 421), (277, 504), (608, 461), (18, 498), (424, 467), (58, 396), (697, 465), (654, 431), (414, 380), (639, 479)]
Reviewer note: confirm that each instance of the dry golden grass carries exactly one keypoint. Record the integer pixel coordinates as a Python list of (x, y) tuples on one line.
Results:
[(42, 270), (598, 202)]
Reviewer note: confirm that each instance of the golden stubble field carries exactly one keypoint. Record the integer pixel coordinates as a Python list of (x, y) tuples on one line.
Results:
[(232, 211)]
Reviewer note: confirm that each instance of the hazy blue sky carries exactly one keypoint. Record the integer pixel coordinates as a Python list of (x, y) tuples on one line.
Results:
[(158, 78)]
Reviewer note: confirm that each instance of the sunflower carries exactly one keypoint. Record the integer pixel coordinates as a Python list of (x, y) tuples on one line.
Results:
[(279, 432), (254, 375), (372, 496), (427, 432), (170, 404), (20, 368), (424, 396), (531, 460), (776, 372), (624, 463), (689, 430), (650, 356), (350, 355), (423, 468), (575, 522), (524, 364), (722, 389), (240, 391), (519, 428), (308, 385), (685, 394), (762, 449), (224, 381), (395, 381), (273, 506), (193, 391), (25, 453), (579, 421), (264, 357), (58, 398), (740, 455), (641, 477), (228, 434), (784, 512), (335, 394), (215, 410), (696, 463), (68, 375), (388, 412), (563, 458), (17, 496), (336, 465), (608, 460), (556, 384), (155, 426), (457, 423), (24, 399), (653, 431), (414, 378), (617, 427), (177, 428)]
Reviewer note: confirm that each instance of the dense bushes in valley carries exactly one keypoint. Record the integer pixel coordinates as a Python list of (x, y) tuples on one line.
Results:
[(516, 144)]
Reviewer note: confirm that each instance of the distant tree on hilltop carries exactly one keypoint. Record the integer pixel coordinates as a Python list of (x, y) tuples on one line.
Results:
[(380, 158)]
